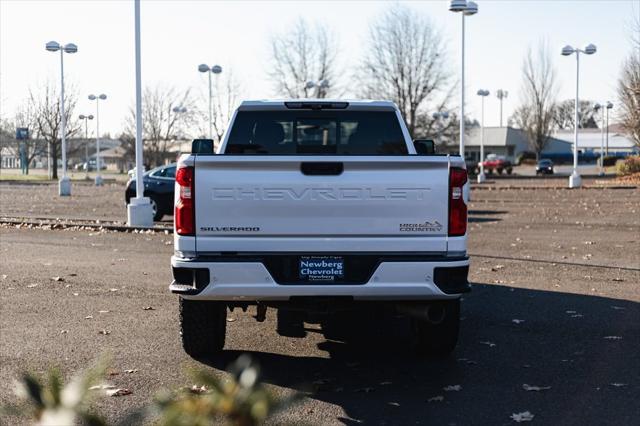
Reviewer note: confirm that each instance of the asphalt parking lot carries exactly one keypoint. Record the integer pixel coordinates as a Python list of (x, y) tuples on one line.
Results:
[(555, 304)]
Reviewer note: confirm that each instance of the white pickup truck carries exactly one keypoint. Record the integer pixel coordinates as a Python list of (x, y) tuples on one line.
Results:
[(318, 207)]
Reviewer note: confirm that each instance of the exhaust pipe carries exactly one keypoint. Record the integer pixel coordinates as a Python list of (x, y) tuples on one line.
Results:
[(434, 312)]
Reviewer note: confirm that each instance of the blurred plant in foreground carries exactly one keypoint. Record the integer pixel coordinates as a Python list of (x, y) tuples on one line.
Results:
[(629, 166), (55, 404), (240, 400)]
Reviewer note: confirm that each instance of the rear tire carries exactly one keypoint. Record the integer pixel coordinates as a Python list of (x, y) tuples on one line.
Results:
[(438, 338), (203, 327), (290, 323)]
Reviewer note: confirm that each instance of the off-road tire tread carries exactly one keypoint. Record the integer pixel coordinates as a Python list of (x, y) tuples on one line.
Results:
[(203, 327), (438, 340)]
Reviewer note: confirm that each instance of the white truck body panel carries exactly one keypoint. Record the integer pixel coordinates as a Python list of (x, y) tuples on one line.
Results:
[(376, 204)]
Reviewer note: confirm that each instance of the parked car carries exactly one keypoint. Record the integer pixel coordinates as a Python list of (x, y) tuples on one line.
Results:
[(497, 163), (544, 167), (92, 166), (315, 209), (159, 187)]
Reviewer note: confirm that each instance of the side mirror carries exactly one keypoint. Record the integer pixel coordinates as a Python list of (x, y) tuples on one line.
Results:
[(202, 146), (424, 146)]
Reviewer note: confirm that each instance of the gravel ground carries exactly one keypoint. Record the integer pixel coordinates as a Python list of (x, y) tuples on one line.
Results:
[(565, 264)]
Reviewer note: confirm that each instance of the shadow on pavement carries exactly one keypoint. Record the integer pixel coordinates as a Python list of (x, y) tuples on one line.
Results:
[(585, 347)]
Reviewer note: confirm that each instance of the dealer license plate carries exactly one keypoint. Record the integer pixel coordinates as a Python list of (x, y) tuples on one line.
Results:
[(321, 268)]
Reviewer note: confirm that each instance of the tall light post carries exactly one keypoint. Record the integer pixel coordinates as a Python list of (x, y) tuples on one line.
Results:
[(86, 143), (575, 181), (481, 177), (596, 108), (467, 8), (64, 184), (501, 94), (608, 107), (139, 210), (215, 69), (98, 179), (440, 116)]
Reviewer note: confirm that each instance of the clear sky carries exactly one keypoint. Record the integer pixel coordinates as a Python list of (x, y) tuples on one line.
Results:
[(179, 35)]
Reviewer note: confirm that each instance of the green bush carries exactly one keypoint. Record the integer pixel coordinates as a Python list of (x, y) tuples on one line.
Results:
[(629, 166)]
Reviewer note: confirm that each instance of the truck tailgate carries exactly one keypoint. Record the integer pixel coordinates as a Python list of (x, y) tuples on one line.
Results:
[(267, 203)]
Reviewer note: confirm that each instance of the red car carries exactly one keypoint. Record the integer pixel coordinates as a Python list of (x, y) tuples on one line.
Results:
[(497, 163)]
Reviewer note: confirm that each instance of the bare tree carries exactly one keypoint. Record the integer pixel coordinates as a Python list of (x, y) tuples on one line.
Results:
[(45, 115), (305, 53), (564, 115), (162, 126), (629, 89), (226, 97), (406, 61), (535, 115)]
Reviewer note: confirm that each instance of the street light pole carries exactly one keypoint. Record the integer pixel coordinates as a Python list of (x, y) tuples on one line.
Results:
[(575, 181), (467, 8), (596, 108), (481, 176), (139, 211), (98, 179), (501, 94), (609, 106), (64, 184), (86, 142), (215, 69)]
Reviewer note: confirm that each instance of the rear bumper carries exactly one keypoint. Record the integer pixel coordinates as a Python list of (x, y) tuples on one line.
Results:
[(248, 281)]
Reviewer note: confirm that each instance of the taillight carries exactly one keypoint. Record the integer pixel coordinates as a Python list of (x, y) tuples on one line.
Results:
[(184, 211), (457, 207)]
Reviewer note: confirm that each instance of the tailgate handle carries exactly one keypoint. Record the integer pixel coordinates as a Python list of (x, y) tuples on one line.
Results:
[(332, 168)]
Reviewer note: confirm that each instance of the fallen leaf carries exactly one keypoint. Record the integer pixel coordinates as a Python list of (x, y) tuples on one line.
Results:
[(32, 285), (148, 308), (103, 312), (395, 404), (73, 275), (490, 344), (522, 417), (438, 398), (618, 385), (89, 317), (113, 289), (135, 370), (64, 331), (535, 388), (119, 392), (617, 279), (75, 294), (104, 332), (60, 279), (230, 319), (452, 388), (517, 321), (198, 389), (102, 387)]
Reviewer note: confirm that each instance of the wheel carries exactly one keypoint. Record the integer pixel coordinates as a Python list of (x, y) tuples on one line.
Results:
[(499, 171), (203, 327), (509, 170), (157, 213), (489, 171), (437, 336), (290, 323)]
